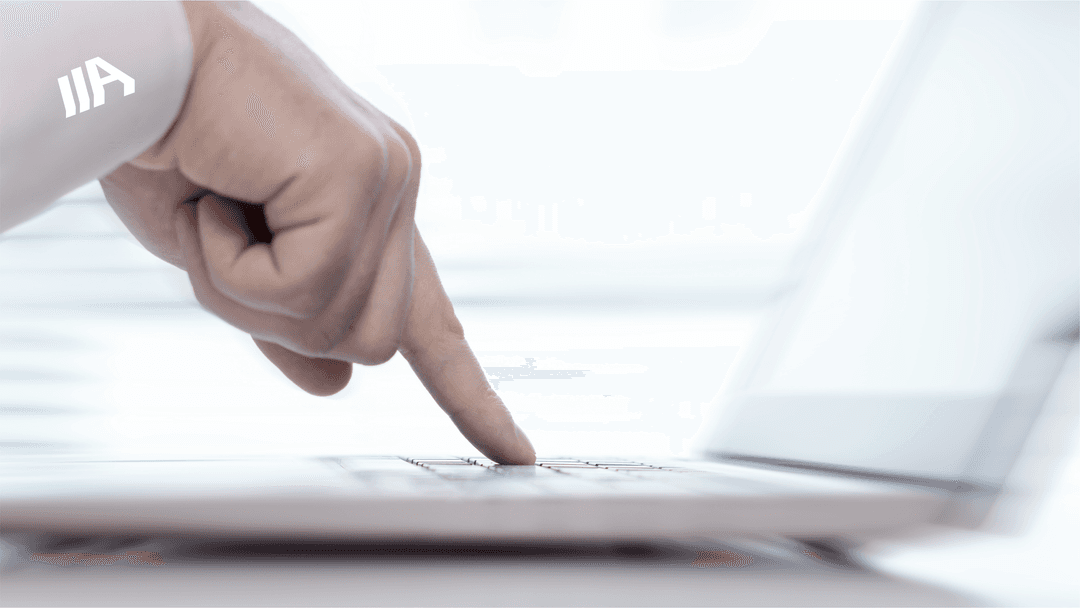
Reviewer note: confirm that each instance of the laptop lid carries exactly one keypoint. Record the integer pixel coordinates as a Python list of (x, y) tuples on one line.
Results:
[(935, 299)]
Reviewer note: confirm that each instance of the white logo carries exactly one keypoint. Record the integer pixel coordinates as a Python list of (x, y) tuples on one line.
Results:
[(97, 84)]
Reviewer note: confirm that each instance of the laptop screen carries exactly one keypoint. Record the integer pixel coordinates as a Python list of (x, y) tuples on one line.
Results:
[(951, 245)]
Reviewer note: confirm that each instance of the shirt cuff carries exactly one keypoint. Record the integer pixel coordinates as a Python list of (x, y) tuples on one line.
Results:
[(84, 88)]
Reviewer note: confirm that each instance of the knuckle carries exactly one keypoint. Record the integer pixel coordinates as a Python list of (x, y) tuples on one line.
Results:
[(445, 323), (415, 160), (384, 151), (452, 327), (412, 147), (368, 162), (401, 163), (442, 334)]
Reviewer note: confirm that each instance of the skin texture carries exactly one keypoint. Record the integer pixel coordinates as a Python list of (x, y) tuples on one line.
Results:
[(289, 200)]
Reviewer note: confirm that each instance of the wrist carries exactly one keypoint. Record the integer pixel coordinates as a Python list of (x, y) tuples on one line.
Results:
[(201, 18)]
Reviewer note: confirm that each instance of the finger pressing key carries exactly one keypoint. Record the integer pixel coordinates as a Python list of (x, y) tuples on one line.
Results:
[(433, 342)]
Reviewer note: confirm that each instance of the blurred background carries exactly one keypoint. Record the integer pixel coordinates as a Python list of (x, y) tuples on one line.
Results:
[(608, 186)]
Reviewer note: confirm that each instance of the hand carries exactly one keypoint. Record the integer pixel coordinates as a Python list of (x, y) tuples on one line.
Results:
[(289, 200)]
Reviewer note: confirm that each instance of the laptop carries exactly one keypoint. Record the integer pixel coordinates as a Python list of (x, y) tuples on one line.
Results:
[(920, 329)]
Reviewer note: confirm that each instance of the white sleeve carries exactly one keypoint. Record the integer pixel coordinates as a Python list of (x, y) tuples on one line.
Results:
[(84, 88)]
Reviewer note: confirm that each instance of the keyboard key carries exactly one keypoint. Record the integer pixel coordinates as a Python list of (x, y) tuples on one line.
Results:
[(363, 465), (526, 471), (465, 472), (439, 461), (594, 473)]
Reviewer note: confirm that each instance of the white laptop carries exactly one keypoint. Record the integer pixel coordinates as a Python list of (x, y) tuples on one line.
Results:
[(924, 323)]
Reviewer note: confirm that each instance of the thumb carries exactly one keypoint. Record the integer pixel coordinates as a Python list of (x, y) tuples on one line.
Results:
[(322, 377)]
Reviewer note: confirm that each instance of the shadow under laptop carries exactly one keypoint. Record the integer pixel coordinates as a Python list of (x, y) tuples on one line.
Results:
[(275, 571), (48, 548)]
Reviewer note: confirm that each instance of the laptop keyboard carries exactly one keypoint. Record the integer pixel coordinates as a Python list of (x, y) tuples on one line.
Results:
[(569, 466), (469, 475)]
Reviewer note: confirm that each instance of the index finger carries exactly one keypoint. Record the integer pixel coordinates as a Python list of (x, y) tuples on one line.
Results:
[(433, 342)]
